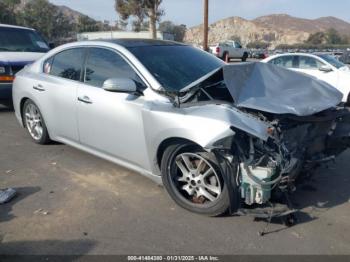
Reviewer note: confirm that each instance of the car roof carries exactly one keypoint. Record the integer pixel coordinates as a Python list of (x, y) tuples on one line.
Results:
[(132, 42), (15, 26), (296, 53)]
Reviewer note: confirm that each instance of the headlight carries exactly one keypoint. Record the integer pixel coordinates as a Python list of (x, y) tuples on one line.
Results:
[(2, 70)]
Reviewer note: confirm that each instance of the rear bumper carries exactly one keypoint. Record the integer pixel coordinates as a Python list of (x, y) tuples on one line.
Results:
[(5, 91)]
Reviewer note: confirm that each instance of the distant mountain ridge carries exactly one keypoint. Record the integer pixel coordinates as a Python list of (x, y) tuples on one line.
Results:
[(276, 29), (68, 12)]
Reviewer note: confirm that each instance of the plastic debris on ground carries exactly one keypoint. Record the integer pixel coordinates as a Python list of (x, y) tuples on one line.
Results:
[(6, 195)]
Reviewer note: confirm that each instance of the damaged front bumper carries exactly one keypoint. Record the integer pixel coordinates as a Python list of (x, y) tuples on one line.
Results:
[(260, 173)]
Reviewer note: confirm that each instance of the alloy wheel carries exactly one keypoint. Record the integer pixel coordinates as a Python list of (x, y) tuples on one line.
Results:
[(197, 180), (34, 121)]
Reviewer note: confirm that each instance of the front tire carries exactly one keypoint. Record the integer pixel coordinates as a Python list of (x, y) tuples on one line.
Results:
[(193, 179), (34, 123)]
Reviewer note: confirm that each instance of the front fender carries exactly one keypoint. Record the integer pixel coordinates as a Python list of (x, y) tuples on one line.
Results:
[(204, 125)]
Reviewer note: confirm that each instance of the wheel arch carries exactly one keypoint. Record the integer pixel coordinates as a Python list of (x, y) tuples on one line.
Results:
[(21, 105), (166, 143)]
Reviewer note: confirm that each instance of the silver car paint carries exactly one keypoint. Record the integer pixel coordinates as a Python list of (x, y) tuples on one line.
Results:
[(127, 132)]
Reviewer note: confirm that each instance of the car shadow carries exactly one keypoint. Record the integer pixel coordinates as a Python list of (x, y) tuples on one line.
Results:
[(44, 249), (22, 193), (322, 191), (6, 109), (314, 195)]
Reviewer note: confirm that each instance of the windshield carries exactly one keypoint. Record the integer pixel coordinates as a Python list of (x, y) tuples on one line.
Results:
[(332, 60), (21, 40), (176, 66)]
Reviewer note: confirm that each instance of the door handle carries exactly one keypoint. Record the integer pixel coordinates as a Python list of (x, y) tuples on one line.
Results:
[(39, 88), (85, 99)]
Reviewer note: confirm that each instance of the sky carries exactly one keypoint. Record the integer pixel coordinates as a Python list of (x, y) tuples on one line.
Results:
[(190, 12)]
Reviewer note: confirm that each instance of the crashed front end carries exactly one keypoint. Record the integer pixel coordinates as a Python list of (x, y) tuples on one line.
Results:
[(268, 169), (305, 126)]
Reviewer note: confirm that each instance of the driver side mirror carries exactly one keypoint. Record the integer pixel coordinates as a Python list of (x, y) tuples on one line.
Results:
[(52, 45), (325, 69), (122, 85)]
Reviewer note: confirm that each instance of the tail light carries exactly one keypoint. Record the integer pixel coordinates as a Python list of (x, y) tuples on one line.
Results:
[(217, 50)]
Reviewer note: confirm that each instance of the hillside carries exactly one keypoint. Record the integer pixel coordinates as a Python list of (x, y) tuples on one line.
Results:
[(71, 14), (276, 29)]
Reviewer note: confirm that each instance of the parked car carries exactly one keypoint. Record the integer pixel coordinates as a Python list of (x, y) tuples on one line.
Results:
[(320, 65), (215, 139), (345, 58), (229, 50), (19, 46), (260, 54)]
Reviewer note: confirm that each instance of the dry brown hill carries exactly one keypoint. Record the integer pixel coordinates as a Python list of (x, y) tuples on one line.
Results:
[(276, 29)]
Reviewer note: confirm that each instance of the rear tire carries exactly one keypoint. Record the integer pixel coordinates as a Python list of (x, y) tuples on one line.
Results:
[(245, 56), (34, 123), (201, 190), (226, 57)]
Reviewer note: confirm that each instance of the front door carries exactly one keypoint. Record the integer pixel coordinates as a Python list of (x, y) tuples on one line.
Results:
[(109, 122)]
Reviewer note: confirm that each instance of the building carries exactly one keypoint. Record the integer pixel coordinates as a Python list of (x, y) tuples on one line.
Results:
[(122, 34)]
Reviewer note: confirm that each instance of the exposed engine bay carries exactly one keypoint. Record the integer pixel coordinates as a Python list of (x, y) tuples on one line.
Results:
[(302, 134), (296, 146)]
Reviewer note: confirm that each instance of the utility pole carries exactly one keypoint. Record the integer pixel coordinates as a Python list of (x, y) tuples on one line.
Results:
[(206, 22)]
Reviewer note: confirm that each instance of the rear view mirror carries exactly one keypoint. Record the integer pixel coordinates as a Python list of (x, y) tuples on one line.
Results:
[(125, 85), (326, 69)]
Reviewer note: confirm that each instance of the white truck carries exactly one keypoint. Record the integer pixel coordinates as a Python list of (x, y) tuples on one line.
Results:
[(229, 49)]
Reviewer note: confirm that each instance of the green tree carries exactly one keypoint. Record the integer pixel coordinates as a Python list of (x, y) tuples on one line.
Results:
[(7, 11), (140, 10), (317, 38), (333, 37), (46, 18), (258, 45), (87, 24), (178, 31)]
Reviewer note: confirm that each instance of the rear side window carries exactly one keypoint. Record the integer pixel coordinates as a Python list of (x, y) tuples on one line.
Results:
[(67, 64), (286, 61), (103, 64)]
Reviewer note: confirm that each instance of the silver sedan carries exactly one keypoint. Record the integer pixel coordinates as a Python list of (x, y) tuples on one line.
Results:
[(167, 111)]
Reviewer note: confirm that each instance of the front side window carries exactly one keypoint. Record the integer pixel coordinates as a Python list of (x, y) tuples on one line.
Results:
[(285, 61), (103, 64), (21, 40), (332, 60), (307, 62), (67, 64)]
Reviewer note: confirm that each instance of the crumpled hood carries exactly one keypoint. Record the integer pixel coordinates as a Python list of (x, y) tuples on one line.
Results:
[(277, 90), (19, 57)]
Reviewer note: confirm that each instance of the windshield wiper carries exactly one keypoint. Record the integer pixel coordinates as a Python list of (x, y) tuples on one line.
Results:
[(4, 49)]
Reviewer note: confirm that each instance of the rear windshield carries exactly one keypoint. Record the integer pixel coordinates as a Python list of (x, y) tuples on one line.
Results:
[(21, 40), (176, 66)]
